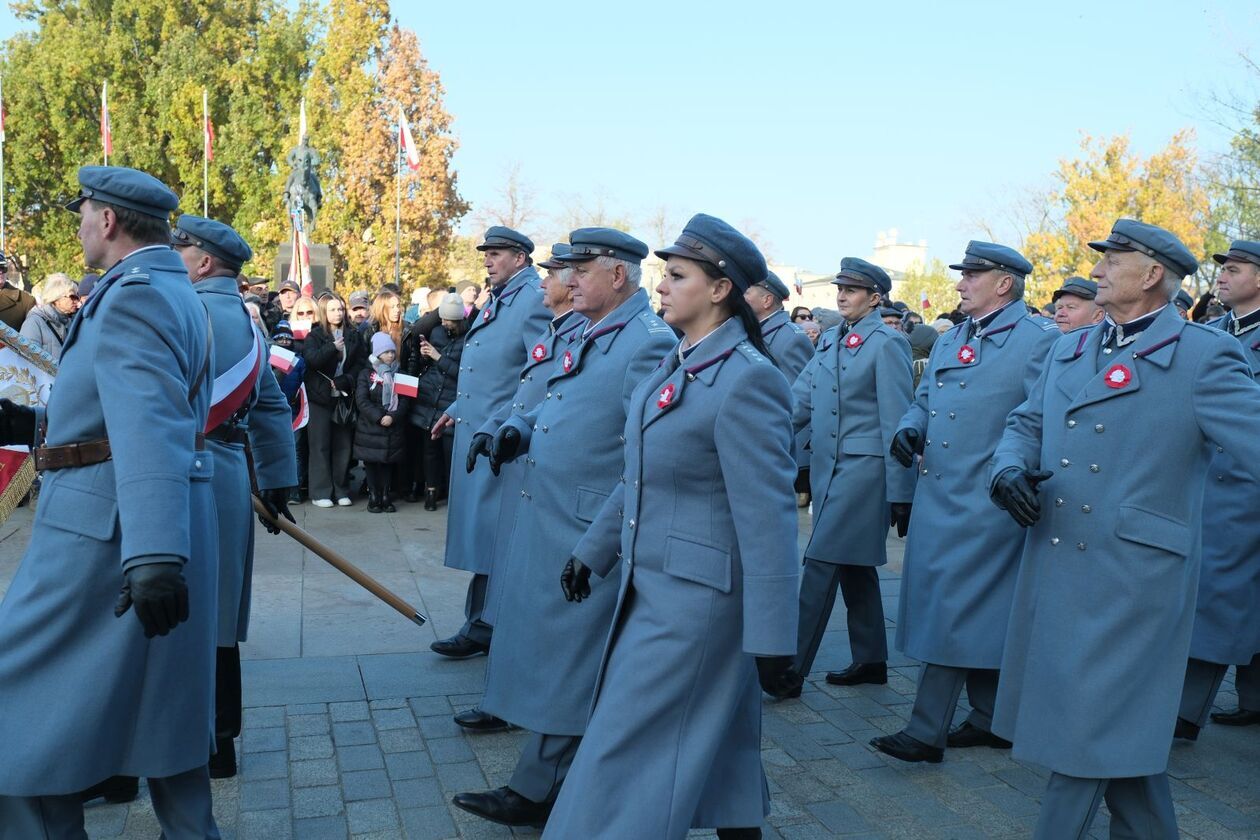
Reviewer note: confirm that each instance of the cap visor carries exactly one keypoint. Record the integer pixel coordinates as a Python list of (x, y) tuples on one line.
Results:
[(74, 204), (679, 251), (966, 266), (1108, 245), (851, 280), (1221, 258)]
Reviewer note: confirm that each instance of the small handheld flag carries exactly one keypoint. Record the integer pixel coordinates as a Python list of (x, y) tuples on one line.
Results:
[(300, 328), (281, 359), (407, 386)]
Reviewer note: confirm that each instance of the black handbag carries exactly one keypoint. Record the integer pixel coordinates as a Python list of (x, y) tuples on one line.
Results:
[(344, 412)]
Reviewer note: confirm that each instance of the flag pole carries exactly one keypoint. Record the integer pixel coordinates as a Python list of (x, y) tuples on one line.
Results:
[(2, 230), (104, 120), (205, 153), (398, 153)]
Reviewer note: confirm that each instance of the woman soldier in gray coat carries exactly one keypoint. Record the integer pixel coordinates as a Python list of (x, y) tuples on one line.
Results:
[(705, 519)]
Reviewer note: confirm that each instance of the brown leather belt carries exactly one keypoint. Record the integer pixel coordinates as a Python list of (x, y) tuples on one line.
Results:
[(72, 455), (84, 454)]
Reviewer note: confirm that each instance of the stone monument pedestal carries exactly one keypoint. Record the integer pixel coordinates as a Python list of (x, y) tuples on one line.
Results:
[(321, 266)]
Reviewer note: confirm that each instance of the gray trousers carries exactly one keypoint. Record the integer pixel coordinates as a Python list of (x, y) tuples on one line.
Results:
[(474, 607), (934, 703), (1198, 692), (1247, 681), (1141, 808), (859, 586), (182, 805), (544, 762)]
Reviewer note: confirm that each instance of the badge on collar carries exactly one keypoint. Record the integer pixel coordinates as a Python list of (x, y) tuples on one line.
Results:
[(853, 341), (485, 316), (666, 396), (539, 352), (567, 364), (966, 354), (1118, 376)]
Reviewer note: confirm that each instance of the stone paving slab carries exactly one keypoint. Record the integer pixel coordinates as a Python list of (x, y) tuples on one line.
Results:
[(348, 732)]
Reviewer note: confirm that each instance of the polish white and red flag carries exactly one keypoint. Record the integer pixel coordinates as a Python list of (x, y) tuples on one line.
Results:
[(300, 264), (107, 136), (207, 128), (924, 303), (303, 413), (406, 142), (281, 359), (407, 386)]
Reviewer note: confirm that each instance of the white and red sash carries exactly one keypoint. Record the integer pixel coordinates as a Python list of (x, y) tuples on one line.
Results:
[(233, 387)]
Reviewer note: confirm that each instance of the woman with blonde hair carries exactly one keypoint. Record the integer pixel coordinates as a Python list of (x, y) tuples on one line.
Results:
[(386, 315), (48, 322), (335, 352)]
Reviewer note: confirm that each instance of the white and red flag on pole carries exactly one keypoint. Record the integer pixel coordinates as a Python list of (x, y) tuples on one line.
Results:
[(407, 386), (207, 128), (406, 142), (107, 136), (924, 303), (300, 265)]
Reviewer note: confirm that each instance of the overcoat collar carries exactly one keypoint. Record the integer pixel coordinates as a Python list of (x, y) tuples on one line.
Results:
[(513, 287), (702, 366), (1092, 376), (138, 261), (603, 336), (960, 351), (774, 322), (221, 284)]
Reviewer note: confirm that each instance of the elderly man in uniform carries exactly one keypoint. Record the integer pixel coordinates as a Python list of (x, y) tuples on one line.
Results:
[(250, 433), (1074, 305), (565, 327), (496, 348), (787, 342), (1227, 614), (126, 523), (545, 658), (1104, 604), (15, 303), (851, 398), (962, 556)]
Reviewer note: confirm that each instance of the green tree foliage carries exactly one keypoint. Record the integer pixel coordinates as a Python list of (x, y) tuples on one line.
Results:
[(936, 279), (257, 59)]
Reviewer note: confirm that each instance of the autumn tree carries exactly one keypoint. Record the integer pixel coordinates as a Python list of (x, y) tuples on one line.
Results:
[(936, 280), (250, 55), (1107, 182)]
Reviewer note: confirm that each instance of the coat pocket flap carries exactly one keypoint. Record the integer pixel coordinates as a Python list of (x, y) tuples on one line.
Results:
[(862, 446), (589, 503), (698, 562), (79, 511), (1146, 527)]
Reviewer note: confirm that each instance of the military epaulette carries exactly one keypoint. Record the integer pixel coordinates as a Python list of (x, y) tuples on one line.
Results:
[(751, 353), (135, 276), (653, 323)]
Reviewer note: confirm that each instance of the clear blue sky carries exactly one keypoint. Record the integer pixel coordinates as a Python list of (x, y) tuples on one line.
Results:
[(820, 123)]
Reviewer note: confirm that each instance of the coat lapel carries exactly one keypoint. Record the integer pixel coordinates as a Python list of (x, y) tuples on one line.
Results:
[(855, 339), (1118, 374), (602, 337), (700, 367)]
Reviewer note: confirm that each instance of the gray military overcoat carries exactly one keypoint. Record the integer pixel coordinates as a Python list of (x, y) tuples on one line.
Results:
[(85, 695), (706, 521), (546, 651), (1100, 625), (496, 348), (962, 553), (1227, 615), (269, 424), (851, 396)]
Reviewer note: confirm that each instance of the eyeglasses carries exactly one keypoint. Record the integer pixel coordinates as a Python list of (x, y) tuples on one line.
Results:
[(304, 312)]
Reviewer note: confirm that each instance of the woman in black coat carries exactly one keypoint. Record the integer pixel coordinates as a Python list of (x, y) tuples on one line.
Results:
[(437, 365), (335, 353)]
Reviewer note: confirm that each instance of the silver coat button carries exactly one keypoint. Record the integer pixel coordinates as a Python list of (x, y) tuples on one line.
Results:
[(1054, 541), (1071, 424), (1064, 462), (1086, 508), (932, 413), (1080, 546), (1058, 503), (945, 444), (197, 464), (1093, 468), (631, 523), (952, 415), (1100, 428)]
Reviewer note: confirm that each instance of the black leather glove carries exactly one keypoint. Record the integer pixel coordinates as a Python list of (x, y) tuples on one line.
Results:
[(901, 517), (17, 424), (906, 444), (777, 676), (1015, 491), (159, 594), (276, 501), (506, 444), (481, 443), (575, 581)]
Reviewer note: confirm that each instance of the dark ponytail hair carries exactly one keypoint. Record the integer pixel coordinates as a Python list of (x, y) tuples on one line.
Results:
[(739, 308)]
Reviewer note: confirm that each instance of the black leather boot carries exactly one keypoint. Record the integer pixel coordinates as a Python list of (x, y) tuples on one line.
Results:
[(387, 503), (430, 499), (374, 502), (413, 494)]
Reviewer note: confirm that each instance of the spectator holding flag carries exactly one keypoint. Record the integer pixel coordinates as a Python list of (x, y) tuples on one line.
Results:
[(438, 368), (334, 353), (378, 439)]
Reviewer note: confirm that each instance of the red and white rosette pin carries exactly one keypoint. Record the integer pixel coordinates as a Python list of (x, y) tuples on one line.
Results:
[(666, 396), (967, 354), (853, 341), (1118, 376), (485, 316), (539, 352), (567, 362)]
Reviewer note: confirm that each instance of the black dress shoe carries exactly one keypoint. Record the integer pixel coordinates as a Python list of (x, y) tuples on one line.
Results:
[(739, 834), (430, 500), (223, 762), (115, 789), (1238, 717), (505, 807), (1186, 730), (413, 495), (875, 673), (967, 735), (904, 747), (479, 721), (459, 647)]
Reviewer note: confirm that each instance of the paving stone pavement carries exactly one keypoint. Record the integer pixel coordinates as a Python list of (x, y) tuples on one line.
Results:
[(348, 730)]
